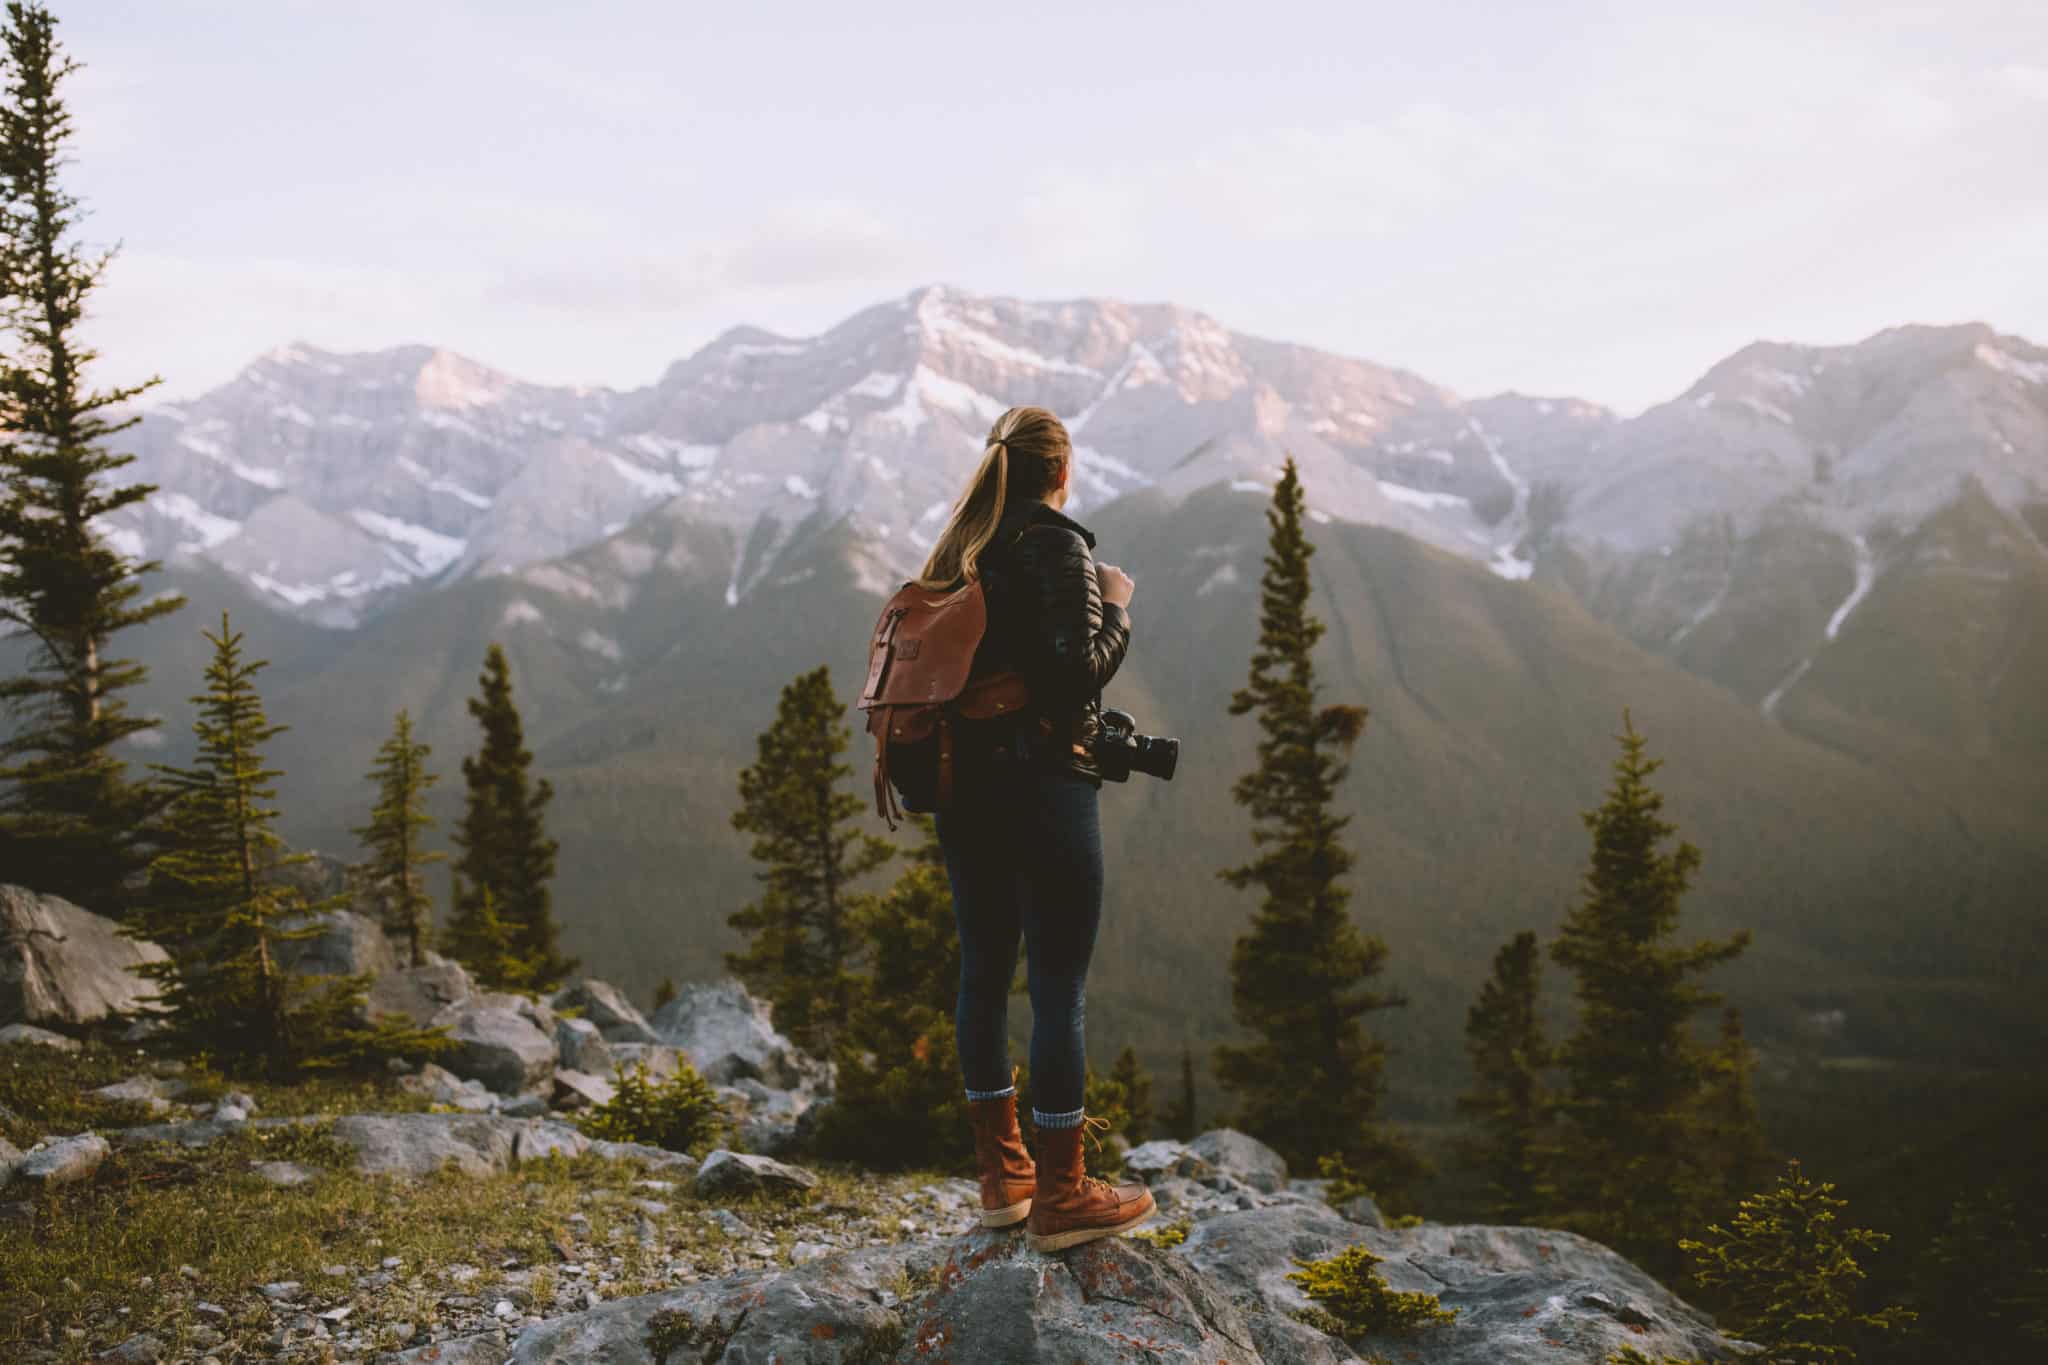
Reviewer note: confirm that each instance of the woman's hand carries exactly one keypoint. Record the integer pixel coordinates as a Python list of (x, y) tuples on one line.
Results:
[(1116, 584)]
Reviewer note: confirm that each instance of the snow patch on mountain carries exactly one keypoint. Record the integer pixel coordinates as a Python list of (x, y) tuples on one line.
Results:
[(431, 551), (201, 440), (1427, 501), (602, 645), (2005, 362), (876, 384), (211, 529), (434, 483), (1866, 577), (651, 482)]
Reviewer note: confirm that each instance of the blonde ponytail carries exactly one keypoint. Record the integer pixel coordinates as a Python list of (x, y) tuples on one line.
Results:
[(1026, 453)]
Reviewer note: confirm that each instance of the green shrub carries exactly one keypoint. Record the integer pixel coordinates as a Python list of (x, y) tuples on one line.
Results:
[(681, 1113), (1172, 1235), (1344, 1183), (898, 1103), (1353, 1299), (1786, 1270)]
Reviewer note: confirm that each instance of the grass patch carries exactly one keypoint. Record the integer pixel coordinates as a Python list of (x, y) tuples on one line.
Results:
[(162, 1229), (44, 1090)]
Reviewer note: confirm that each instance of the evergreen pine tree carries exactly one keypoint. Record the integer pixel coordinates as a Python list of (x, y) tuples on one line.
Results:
[(1130, 1078), (481, 941), (664, 993), (220, 913), (1735, 1153), (72, 821), (1302, 979), (1786, 1268), (898, 1102), (1978, 1285), (393, 836), (1180, 1118), (802, 949), (1639, 1172), (1511, 1103), (505, 848)]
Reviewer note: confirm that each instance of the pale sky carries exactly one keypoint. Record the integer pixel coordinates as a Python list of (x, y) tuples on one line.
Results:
[(1557, 197)]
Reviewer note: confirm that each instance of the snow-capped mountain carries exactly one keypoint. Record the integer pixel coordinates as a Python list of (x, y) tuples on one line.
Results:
[(333, 484), (338, 485)]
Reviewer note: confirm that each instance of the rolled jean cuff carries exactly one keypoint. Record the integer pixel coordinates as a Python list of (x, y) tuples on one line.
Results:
[(1070, 1119), (991, 1094)]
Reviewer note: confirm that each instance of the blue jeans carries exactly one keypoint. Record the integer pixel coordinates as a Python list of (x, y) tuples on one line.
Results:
[(1024, 855)]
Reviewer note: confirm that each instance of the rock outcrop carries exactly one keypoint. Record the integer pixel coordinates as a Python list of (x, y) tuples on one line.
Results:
[(1220, 1296), (728, 1036), (66, 966), (418, 994), (345, 944), (505, 1041), (606, 1006)]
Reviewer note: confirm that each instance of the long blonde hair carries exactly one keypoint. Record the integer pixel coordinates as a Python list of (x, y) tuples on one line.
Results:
[(1026, 455)]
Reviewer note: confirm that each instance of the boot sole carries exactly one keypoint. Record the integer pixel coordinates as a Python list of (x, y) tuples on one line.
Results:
[(1006, 1217), (1060, 1241)]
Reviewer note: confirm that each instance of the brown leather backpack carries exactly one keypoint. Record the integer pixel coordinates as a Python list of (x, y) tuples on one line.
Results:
[(918, 692)]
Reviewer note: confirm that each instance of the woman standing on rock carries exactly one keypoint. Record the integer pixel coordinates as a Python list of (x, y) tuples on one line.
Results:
[(1021, 834)]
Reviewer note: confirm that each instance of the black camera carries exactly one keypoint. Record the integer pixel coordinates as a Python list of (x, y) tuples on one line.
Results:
[(1120, 750)]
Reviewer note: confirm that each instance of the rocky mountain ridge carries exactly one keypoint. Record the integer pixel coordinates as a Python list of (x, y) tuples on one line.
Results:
[(337, 487)]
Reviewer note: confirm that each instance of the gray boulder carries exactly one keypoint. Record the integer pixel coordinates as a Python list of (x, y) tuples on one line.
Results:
[(580, 1047), (346, 944), (659, 1160), (1109, 1300), (1162, 1159), (421, 993), (66, 966), (661, 1060), (505, 1041), (607, 1007), (1361, 1209), (537, 1141), (151, 1092), (63, 1161), (30, 1035), (419, 1144), (442, 1086), (315, 875), (725, 1173), (578, 1090), (727, 1035), (1521, 1293), (1243, 1156), (987, 1299), (835, 1308), (487, 1348)]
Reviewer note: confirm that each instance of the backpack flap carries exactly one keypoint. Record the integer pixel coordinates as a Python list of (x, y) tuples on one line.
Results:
[(923, 646)]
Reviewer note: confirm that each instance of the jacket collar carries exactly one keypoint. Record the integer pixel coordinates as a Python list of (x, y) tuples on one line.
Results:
[(1039, 513)]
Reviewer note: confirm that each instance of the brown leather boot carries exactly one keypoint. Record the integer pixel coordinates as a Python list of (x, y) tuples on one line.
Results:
[(1071, 1206), (1007, 1174)]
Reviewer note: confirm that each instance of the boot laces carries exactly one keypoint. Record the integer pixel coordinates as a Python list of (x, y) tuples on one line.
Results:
[(1090, 1125)]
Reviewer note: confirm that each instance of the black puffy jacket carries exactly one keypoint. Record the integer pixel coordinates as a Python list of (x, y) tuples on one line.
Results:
[(1047, 620)]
